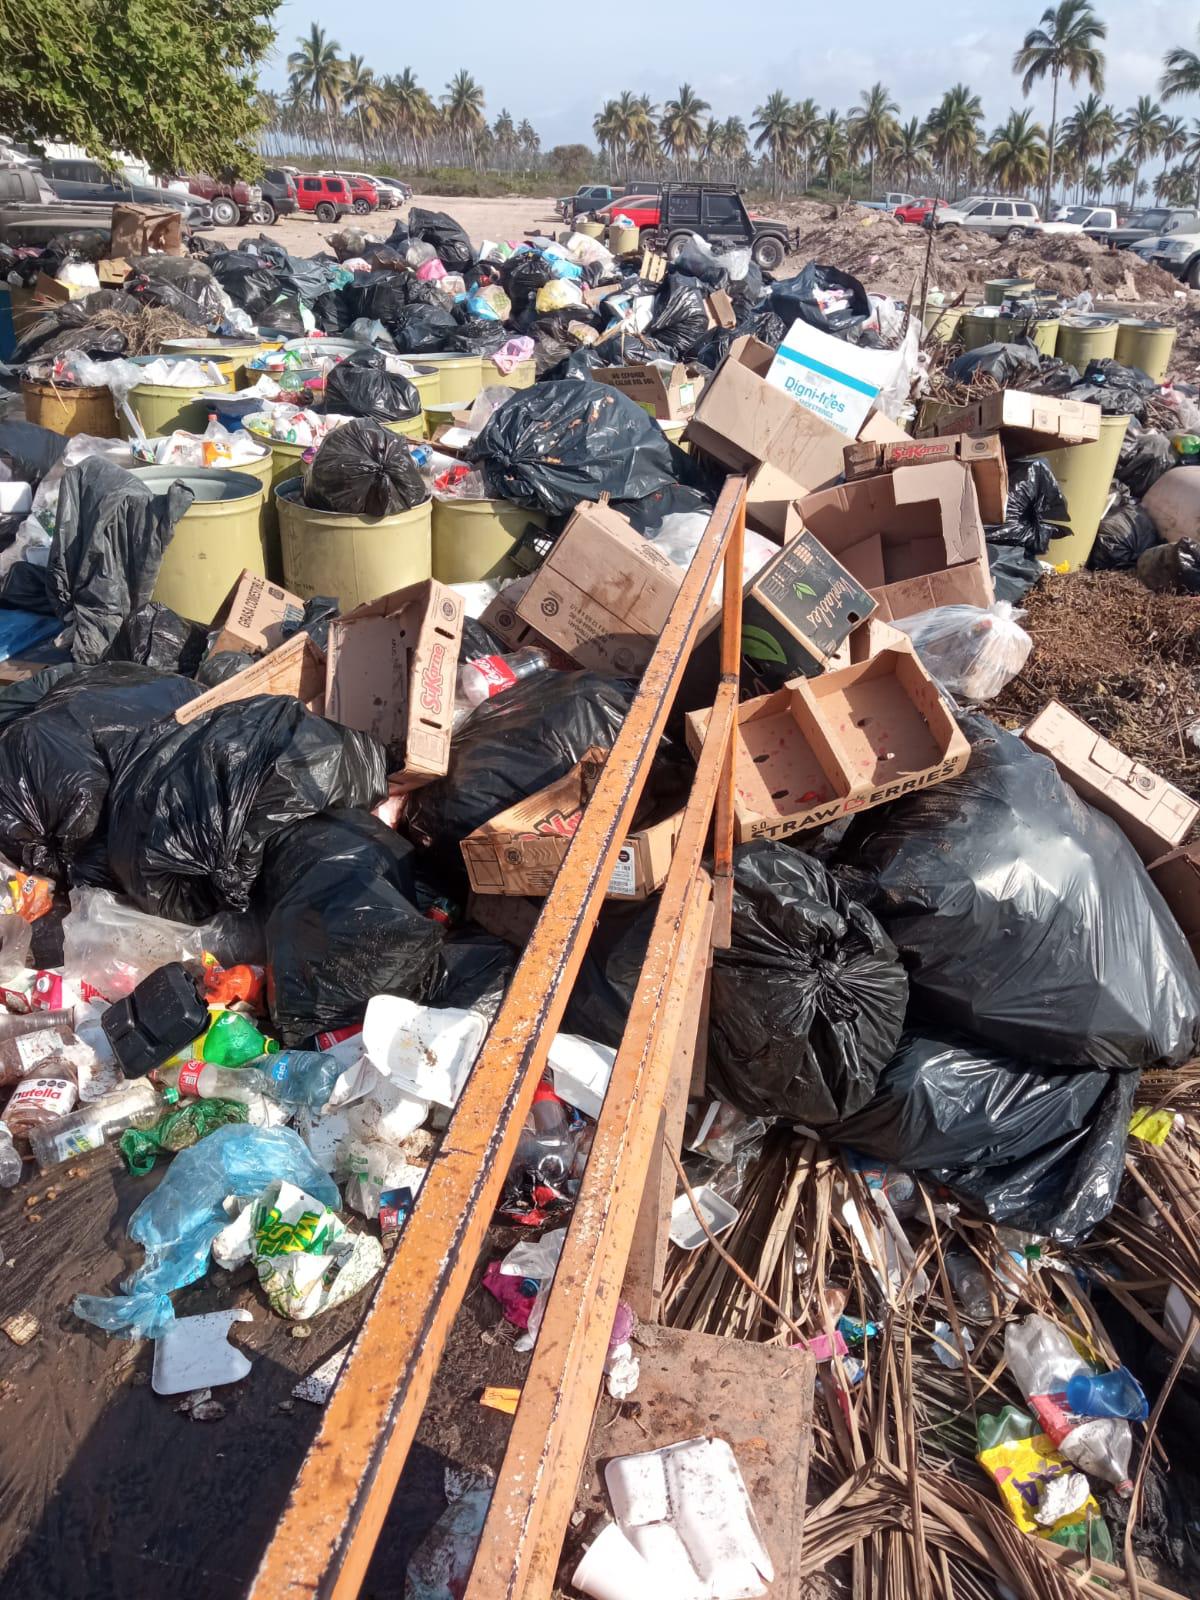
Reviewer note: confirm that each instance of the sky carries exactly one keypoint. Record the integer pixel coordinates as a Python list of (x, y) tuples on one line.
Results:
[(557, 64)]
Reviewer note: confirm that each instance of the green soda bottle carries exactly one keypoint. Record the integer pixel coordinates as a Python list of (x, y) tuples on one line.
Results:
[(232, 1040)]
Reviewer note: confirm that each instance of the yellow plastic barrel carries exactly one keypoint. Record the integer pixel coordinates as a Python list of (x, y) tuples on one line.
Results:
[(1147, 345), (623, 241), (1042, 330), (218, 535), (163, 407), (1084, 473), (460, 377), (353, 558), (440, 412), (408, 427), (427, 383), (474, 539), (70, 408), (522, 376), (979, 328), (943, 322), (1086, 339), (590, 230), (997, 290)]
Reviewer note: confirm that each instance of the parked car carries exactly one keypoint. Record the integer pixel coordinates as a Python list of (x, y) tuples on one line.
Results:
[(999, 218), (31, 214), (232, 201), (324, 197), (890, 202), (1179, 254), (387, 192), (364, 196), (920, 211), (587, 198), (1096, 221), (88, 181), (718, 214), (643, 207), (278, 196), (1151, 223)]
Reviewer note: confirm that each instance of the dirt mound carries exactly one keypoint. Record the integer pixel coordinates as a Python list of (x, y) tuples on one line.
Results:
[(1120, 657)]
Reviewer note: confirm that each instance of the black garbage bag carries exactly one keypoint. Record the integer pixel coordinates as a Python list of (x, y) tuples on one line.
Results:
[(378, 298), (419, 329), (29, 452), (1054, 376), (1025, 917), (558, 443), (478, 641), (336, 897), (1114, 398), (808, 1001), (363, 469), (629, 350), (1035, 505), (18, 698), (1144, 457), (70, 327), (579, 363), (224, 665), (510, 747), (108, 545), (363, 387), (748, 292), (1125, 532), (191, 808), (1005, 362), (608, 974), (186, 276), (680, 321), (1033, 1148), (473, 970), (248, 280), (57, 751), (824, 297), (479, 336), (647, 514), (1014, 571), (695, 260), (1171, 568), (331, 312), (447, 237), (523, 275), (156, 636)]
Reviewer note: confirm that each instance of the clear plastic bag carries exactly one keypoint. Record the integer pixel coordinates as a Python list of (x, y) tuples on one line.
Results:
[(972, 653), (112, 947)]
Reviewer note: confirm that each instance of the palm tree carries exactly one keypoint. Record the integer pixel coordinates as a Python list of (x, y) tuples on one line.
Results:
[(1173, 186), (774, 120), (680, 128), (1064, 46), (504, 131), (606, 127), (831, 146), (1017, 154), (806, 121), (1182, 72), (269, 108), (317, 70), (953, 129), (529, 139), (708, 145), (1091, 130), (910, 150), (1120, 172), (360, 90), (1193, 154), (1174, 139), (733, 144), (1143, 126), (463, 103), (872, 126)]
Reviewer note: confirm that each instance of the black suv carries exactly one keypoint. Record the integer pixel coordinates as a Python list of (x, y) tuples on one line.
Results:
[(718, 214), (278, 196)]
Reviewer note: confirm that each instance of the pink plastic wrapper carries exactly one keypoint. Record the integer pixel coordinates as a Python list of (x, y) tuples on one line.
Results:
[(506, 358), (431, 271)]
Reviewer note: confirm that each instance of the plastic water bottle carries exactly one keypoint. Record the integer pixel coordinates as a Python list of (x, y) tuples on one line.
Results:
[(92, 1125), (208, 1080), (480, 680), (299, 1077), (971, 1287), (1043, 1361), (10, 1161)]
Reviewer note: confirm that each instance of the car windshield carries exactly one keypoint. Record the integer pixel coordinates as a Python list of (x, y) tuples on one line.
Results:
[(1078, 214), (1149, 219)]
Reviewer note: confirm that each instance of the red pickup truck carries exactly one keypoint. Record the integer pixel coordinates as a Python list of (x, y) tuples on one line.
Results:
[(232, 200)]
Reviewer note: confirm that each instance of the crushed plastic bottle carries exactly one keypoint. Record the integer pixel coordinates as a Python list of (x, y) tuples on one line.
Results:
[(1108, 1394), (299, 1077), (487, 676), (10, 1160), (1043, 1361), (208, 1080), (971, 1287), (92, 1125)]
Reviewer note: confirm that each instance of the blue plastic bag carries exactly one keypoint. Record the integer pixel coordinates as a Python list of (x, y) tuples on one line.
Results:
[(177, 1224)]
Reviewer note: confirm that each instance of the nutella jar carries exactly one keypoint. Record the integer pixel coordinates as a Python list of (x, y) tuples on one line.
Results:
[(48, 1093)]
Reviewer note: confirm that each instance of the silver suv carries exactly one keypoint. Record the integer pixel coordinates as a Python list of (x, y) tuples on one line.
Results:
[(1002, 219)]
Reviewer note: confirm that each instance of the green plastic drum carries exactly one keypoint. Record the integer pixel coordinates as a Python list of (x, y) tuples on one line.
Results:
[(623, 241), (1147, 345), (1084, 473), (997, 290), (460, 377), (1086, 339), (522, 376), (474, 539), (408, 427), (218, 536), (943, 322), (355, 558)]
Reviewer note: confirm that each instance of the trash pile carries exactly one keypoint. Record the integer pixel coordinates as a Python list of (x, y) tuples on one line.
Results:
[(272, 850)]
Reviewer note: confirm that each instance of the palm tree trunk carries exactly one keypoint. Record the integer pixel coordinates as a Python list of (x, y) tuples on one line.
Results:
[(871, 195), (1053, 136)]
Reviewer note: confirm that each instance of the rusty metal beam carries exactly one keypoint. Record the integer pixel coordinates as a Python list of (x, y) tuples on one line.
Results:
[(535, 1490), (731, 667), (329, 1527)]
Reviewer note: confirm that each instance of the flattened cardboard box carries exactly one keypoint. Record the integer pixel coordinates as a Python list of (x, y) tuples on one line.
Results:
[(392, 670), (823, 748), (1177, 878), (520, 851), (603, 593), (913, 537), (253, 615), (771, 493), (1153, 814), (984, 456), (295, 667), (667, 396), (1027, 422)]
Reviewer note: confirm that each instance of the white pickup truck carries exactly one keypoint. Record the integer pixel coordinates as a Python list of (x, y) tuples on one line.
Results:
[(1096, 221)]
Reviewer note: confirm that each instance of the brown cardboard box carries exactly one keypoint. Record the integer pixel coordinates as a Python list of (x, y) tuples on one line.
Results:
[(984, 456), (500, 617), (520, 851), (603, 593), (667, 396), (720, 310), (1177, 878), (137, 230), (825, 747), (913, 537), (1152, 813), (253, 614), (112, 273), (392, 669), (1027, 423), (770, 492), (505, 916), (296, 667), (47, 288)]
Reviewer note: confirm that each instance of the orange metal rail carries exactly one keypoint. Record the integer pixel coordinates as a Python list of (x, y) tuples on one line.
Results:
[(329, 1527)]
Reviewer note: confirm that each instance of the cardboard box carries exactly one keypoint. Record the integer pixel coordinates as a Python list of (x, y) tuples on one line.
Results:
[(112, 273), (771, 493), (720, 310), (668, 396), (500, 618), (984, 457), (520, 851), (913, 537), (392, 669), (47, 288), (798, 611), (505, 916), (603, 593), (1027, 423), (138, 230), (254, 613), (296, 667), (1152, 813), (825, 747), (836, 381), (1177, 878)]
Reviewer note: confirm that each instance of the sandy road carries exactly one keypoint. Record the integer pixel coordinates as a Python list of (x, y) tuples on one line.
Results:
[(510, 218)]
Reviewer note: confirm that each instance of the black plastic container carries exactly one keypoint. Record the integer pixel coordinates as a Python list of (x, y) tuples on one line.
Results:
[(164, 1013)]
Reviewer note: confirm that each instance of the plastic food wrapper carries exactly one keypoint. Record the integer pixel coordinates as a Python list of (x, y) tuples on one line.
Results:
[(177, 1223), (1027, 1470), (23, 894), (808, 1001), (1025, 917), (177, 1129), (971, 652), (364, 471), (307, 1260)]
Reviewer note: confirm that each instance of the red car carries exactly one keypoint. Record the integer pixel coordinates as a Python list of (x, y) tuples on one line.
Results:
[(918, 210), (323, 197), (364, 195), (643, 210)]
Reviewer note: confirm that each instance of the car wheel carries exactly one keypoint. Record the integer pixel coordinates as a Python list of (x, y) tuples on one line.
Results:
[(768, 254), (225, 213), (1014, 236), (264, 214), (675, 245), (361, 208), (1192, 276), (325, 212)]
